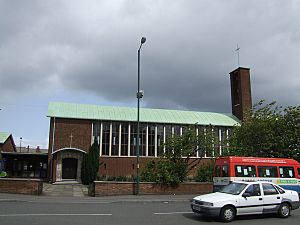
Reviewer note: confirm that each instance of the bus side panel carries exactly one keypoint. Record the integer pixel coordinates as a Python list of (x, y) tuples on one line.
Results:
[(291, 187)]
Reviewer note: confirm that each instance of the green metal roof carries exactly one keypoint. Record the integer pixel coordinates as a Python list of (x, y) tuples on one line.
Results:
[(113, 113), (3, 137)]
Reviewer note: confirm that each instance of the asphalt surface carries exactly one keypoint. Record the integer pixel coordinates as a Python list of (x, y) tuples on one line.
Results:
[(125, 210)]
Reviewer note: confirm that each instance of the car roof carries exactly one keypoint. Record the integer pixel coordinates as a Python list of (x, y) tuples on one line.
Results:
[(252, 182)]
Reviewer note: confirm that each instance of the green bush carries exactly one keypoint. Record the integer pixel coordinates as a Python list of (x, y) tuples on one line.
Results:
[(205, 172), (164, 172), (3, 174), (90, 164)]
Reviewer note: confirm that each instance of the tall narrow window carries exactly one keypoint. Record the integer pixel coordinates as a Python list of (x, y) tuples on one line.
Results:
[(168, 130), (96, 130), (124, 139), (115, 139), (201, 142), (143, 134), (151, 140), (105, 138), (223, 139), (216, 142), (176, 130), (160, 140), (133, 141), (209, 141)]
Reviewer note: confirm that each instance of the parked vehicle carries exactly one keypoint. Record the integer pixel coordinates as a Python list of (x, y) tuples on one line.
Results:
[(281, 171), (244, 198)]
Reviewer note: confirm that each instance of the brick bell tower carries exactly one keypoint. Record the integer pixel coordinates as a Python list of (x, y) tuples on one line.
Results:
[(240, 92)]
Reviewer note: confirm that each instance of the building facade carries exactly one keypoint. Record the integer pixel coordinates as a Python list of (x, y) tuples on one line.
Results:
[(74, 127), (21, 162), (7, 143)]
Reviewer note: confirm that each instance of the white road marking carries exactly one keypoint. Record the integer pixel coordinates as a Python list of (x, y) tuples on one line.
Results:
[(55, 214), (170, 213)]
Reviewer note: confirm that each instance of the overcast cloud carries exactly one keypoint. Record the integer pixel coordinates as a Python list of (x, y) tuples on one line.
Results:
[(89, 48)]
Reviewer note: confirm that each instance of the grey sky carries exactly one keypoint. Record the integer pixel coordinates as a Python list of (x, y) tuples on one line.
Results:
[(50, 50)]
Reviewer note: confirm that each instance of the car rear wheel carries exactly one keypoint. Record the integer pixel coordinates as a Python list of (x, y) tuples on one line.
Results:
[(284, 210), (227, 214)]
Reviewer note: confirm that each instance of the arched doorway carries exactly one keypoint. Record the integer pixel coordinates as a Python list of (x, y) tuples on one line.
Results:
[(69, 168), (67, 164)]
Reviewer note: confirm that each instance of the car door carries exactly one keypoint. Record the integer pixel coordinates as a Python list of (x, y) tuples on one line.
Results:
[(251, 201), (271, 197)]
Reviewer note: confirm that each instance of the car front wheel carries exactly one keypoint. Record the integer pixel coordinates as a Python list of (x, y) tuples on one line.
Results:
[(227, 214), (284, 210)]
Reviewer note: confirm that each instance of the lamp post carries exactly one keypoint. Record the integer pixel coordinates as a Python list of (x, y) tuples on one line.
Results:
[(139, 95), (20, 143)]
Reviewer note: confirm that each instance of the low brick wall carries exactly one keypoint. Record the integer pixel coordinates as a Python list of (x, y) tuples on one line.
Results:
[(106, 188), (21, 186)]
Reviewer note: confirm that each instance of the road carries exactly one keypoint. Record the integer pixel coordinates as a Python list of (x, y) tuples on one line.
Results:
[(19, 210)]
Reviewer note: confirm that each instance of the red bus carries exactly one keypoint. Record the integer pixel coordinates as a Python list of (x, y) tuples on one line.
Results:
[(281, 171)]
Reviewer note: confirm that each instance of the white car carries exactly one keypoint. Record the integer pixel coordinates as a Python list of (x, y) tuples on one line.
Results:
[(244, 198)]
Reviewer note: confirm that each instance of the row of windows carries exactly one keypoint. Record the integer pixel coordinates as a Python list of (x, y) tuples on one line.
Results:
[(120, 139), (263, 171), (268, 189)]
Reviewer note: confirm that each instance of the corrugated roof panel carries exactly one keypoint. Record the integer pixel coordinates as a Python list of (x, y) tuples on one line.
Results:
[(113, 113)]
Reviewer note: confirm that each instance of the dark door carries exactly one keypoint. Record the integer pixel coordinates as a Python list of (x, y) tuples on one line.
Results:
[(69, 170)]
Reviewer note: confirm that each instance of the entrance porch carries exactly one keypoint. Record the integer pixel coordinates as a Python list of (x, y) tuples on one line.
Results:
[(67, 165)]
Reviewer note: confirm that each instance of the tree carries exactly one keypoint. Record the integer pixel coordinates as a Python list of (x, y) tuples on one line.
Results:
[(90, 164), (205, 172), (177, 161), (267, 131)]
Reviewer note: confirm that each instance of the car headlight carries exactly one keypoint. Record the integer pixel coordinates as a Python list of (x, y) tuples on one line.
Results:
[(199, 202), (208, 204)]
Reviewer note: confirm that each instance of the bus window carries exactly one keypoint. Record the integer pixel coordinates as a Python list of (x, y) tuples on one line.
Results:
[(217, 171), (286, 172), (224, 171), (267, 171), (298, 172), (245, 171)]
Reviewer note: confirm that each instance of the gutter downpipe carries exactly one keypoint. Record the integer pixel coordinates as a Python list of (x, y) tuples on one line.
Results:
[(52, 149)]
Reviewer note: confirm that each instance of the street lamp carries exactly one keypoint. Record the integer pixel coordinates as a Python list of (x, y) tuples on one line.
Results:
[(20, 143), (139, 95)]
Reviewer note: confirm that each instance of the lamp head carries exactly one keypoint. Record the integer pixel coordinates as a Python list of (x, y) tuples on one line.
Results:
[(143, 40)]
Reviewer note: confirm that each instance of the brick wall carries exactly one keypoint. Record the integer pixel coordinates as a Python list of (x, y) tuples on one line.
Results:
[(126, 166), (21, 186), (106, 188), (81, 131), (241, 99)]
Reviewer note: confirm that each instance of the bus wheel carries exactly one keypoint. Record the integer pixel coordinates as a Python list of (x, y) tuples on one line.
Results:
[(284, 210), (227, 214)]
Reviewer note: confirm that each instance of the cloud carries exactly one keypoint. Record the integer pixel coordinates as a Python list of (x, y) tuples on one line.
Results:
[(90, 47)]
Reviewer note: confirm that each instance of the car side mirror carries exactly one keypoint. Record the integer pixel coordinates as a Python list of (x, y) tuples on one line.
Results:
[(246, 195)]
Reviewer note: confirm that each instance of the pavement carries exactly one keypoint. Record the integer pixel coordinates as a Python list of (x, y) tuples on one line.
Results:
[(65, 189), (75, 192)]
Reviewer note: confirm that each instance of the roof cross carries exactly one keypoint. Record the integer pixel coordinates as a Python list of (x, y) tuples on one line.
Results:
[(238, 54), (71, 138)]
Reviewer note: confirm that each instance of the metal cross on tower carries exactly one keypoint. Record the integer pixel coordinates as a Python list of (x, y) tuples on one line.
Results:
[(238, 54)]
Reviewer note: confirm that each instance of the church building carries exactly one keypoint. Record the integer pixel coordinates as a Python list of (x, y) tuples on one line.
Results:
[(73, 128)]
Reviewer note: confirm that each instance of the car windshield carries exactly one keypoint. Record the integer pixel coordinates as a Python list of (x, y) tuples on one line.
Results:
[(233, 188)]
